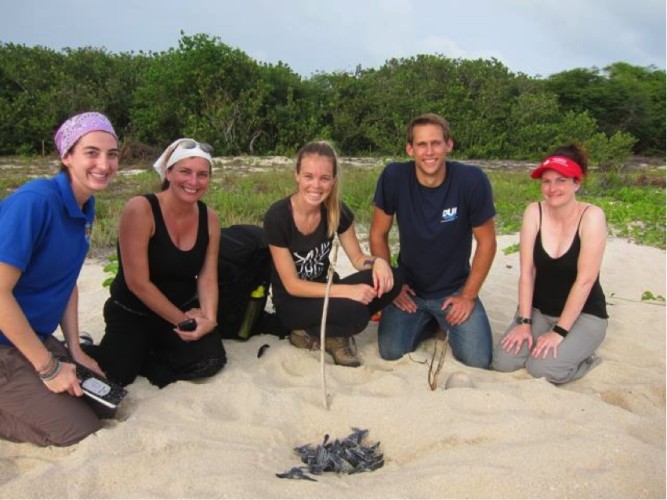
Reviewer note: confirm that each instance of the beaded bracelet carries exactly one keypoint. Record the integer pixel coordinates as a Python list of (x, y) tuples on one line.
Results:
[(370, 262), (53, 373)]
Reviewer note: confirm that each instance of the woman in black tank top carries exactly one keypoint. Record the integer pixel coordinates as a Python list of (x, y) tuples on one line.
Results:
[(562, 317), (168, 253)]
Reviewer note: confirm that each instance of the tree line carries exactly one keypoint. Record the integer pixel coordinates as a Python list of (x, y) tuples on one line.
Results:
[(218, 94)]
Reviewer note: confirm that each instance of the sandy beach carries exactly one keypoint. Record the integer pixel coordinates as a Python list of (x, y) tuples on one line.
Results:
[(511, 436)]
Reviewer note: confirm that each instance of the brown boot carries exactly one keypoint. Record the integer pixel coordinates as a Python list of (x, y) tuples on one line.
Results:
[(301, 339), (339, 348)]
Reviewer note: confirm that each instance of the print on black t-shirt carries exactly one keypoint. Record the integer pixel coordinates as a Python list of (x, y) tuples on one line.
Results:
[(312, 265)]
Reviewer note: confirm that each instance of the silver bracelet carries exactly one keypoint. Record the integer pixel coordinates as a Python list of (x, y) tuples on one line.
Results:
[(48, 366), (53, 373)]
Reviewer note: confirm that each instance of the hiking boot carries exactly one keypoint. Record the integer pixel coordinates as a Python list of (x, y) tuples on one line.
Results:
[(301, 340), (339, 348)]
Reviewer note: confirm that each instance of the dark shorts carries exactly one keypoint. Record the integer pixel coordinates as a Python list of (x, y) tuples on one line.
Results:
[(30, 412)]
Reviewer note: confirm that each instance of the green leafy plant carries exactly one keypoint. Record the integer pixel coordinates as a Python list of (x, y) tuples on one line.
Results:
[(648, 295), (111, 268), (511, 249)]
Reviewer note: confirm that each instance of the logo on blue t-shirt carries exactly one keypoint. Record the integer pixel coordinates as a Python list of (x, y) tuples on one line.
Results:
[(449, 214)]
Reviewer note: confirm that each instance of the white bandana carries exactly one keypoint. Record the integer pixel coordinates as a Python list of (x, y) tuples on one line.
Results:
[(175, 152)]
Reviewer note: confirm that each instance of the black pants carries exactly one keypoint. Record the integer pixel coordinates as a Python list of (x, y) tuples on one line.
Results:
[(345, 317), (138, 344)]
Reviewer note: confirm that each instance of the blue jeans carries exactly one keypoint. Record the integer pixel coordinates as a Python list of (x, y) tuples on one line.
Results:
[(401, 332)]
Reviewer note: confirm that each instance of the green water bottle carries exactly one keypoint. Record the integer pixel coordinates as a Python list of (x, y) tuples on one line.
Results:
[(252, 312)]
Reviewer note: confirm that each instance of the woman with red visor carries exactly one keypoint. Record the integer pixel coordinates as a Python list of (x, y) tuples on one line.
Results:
[(562, 317)]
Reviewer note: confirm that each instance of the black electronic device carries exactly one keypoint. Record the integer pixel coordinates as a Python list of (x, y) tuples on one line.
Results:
[(99, 388), (189, 325)]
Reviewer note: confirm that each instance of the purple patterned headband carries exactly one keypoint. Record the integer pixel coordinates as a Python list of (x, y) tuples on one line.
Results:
[(77, 126)]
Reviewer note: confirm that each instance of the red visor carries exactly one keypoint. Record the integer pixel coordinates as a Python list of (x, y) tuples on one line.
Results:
[(560, 164)]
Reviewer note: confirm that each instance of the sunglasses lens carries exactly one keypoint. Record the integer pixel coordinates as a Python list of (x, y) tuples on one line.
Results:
[(190, 144)]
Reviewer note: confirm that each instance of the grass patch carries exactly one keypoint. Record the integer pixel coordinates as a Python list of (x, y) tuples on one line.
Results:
[(634, 206), (511, 249), (634, 202)]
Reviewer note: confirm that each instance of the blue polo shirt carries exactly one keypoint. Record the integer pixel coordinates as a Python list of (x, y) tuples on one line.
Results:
[(46, 235), (435, 224)]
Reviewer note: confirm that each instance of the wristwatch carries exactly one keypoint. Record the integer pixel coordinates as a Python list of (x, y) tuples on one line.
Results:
[(560, 330), (520, 320)]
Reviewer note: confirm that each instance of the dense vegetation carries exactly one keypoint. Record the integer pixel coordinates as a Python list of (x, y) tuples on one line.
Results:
[(218, 94), (242, 189), (635, 208)]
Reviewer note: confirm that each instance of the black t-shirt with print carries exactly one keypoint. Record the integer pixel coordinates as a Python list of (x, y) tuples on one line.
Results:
[(310, 253)]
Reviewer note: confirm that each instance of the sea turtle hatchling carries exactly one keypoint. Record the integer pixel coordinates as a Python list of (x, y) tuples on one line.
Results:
[(346, 456), (295, 473)]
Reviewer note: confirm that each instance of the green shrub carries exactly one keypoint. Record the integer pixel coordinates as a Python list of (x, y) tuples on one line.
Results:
[(611, 154)]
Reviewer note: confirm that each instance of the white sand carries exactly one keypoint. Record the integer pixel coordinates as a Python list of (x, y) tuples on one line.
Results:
[(510, 436)]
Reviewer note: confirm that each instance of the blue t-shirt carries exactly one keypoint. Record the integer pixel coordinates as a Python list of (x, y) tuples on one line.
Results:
[(46, 235), (435, 224)]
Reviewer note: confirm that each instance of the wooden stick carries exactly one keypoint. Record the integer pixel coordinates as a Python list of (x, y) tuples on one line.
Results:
[(325, 308), (440, 345)]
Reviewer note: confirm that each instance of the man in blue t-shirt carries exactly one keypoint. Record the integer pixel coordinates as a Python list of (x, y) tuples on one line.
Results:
[(439, 207)]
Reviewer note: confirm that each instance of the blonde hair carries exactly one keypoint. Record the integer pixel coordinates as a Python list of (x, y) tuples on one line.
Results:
[(332, 203)]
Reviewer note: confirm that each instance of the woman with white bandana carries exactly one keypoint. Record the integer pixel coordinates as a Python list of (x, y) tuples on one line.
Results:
[(45, 227), (168, 269)]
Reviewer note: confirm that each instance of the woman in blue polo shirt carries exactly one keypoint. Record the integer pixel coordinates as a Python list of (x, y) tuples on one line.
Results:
[(45, 227)]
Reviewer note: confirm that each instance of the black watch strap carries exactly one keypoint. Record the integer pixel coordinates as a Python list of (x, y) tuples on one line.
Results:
[(520, 320), (560, 330)]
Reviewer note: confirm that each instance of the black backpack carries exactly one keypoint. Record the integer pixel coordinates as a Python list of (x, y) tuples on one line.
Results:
[(244, 263)]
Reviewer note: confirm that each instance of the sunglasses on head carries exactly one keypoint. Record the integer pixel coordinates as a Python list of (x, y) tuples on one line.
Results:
[(192, 144)]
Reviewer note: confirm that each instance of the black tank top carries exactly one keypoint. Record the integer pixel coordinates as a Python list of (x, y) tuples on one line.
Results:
[(554, 279), (172, 270)]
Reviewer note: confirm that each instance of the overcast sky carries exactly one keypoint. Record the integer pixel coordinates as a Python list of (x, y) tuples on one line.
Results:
[(535, 37)]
